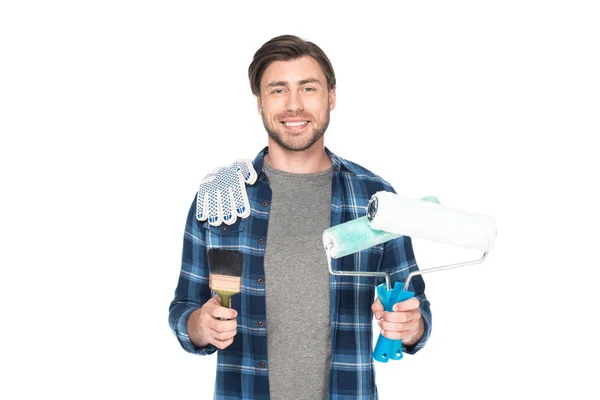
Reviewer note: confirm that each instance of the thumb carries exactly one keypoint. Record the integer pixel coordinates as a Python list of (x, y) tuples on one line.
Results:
[(377, 309), (215, 299), (251, 176), (212, 303)]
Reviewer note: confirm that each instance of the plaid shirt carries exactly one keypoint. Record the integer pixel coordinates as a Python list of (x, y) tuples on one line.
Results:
[(242, 368)]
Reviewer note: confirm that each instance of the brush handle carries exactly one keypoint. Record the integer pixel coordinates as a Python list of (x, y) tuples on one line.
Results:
[(390, 348), (225, 299)]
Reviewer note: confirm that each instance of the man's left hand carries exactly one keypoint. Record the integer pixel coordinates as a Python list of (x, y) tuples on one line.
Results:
[(404, 323)]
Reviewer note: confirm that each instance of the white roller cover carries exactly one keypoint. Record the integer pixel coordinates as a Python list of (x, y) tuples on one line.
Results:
[(426, 220)]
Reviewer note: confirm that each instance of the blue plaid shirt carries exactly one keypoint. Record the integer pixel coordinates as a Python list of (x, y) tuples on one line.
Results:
[(242, 368)]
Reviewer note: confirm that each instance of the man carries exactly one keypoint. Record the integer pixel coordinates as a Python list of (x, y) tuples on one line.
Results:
[(295, 332)]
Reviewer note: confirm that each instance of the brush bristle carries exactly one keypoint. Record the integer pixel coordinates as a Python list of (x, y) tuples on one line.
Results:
[(225, 262)]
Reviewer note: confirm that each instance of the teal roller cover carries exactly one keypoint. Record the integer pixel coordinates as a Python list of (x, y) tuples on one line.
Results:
[(353, 236)]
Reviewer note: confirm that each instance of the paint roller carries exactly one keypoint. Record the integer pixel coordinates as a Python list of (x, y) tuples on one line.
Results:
[(390, 216)]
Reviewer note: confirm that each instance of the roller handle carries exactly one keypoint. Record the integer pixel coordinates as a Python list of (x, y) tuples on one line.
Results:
[(385, 348)]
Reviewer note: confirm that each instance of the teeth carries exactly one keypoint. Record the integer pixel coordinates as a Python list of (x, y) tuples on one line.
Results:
[(294, 123)]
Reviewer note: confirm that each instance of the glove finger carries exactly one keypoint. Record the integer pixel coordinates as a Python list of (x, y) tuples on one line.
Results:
[(202, 205), (231, 218), (246, 170), (214, 208), (208, 178), (227, 207), (240, 199)]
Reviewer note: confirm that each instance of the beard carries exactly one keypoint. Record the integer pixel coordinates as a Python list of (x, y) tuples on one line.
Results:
[(306, 139)]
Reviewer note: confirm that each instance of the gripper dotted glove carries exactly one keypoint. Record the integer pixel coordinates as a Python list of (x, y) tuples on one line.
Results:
[(222, 195)]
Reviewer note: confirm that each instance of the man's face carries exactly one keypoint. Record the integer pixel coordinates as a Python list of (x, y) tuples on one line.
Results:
[(294, 102)]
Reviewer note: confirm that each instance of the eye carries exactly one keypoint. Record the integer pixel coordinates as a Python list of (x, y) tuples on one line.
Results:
[(277, 91), (309, 89)]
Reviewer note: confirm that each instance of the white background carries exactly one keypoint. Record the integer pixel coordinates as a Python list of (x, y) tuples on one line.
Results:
[(111, 113)]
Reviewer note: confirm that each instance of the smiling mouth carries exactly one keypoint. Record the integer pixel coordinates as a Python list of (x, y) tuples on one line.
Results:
[(295, 124)]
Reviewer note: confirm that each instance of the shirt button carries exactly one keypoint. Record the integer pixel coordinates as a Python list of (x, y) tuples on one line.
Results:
[(260, 323), (265, 204), (260, 281), (262, 365), (224, 228), (261, 241), (262, 176)]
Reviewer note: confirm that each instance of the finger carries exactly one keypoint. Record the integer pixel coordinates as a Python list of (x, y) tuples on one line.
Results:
[(401, 316), (215, 299), (220, 344), (217, 311), (403, 335), (214, 308), (411, 326), (225, 335), (224, 325), (377, 309), (406, 305), (212, 324)]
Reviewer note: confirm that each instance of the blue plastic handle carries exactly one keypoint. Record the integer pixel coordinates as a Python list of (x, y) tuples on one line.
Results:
[(389, 348)]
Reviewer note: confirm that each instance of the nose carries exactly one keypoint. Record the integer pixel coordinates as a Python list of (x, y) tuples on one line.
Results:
[(294, 102)]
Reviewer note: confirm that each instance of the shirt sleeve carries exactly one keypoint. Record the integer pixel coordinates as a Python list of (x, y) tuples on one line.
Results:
[(399, 260), (192, 288)]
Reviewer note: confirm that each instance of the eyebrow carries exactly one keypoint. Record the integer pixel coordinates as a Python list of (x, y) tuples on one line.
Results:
[(300, 82)]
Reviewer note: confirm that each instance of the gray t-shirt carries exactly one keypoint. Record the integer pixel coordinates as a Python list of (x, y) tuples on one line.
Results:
[(297, 285)]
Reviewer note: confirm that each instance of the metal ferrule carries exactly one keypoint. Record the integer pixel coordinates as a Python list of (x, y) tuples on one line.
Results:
[(372, 208)]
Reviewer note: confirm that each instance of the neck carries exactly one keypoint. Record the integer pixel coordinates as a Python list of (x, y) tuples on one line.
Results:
[(311, 160)]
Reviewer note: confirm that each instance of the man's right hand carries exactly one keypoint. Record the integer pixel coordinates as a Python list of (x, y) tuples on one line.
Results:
[(205, 325)]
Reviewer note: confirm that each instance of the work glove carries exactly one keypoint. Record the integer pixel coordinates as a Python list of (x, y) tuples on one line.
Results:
[(222, 194)]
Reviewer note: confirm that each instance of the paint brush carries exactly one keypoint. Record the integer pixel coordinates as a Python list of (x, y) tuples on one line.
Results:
[(225, 273)]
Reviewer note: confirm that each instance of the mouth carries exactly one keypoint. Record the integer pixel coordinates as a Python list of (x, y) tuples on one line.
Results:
[(295, 126)]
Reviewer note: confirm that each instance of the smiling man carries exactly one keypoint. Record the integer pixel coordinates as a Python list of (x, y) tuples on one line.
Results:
[(296, 332)]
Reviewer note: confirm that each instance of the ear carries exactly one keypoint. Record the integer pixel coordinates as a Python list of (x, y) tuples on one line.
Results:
[(258, 105), (331, 99)]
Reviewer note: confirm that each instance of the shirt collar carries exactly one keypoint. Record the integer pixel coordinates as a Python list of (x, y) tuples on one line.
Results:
[(338, 163)]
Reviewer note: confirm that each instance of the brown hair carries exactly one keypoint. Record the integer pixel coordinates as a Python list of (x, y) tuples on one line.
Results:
[(286, 48)]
